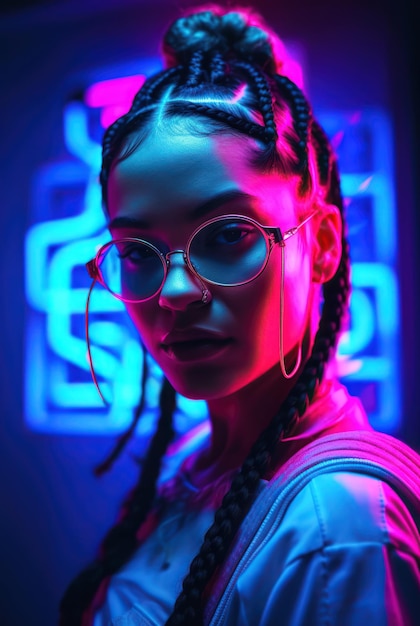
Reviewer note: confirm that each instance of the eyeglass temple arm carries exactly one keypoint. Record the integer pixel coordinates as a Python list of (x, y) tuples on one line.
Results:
[(89, 351), (292, 231), (92, 269)]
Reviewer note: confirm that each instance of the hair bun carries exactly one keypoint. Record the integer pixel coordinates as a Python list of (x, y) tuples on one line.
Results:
[(236, 35)]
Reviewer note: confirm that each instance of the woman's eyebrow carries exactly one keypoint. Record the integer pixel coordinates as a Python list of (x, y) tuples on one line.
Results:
[(217, 201), (127, 222), (200, 211)]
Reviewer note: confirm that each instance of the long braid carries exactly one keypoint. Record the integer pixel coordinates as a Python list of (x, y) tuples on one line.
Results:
[(188, 609), (217, 68), (152, 88), (217, 541), (196, 108), (269, 158), (265, 98), (301, 118), (323, 153), (196, 69), (120, 542), (123, 439)]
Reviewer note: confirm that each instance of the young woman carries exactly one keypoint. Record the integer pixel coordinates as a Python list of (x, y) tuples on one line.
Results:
[(228, 233)]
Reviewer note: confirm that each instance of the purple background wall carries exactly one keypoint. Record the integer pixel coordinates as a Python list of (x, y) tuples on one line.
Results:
[(358, 54)]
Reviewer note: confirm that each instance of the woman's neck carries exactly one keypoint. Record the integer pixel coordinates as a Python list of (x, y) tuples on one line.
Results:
[(237, 420), (236, 423)]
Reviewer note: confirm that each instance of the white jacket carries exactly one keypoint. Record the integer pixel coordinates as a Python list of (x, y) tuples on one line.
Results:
[(334, 544)]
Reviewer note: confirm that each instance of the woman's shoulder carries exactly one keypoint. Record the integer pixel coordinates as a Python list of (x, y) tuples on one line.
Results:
[(340, 511), (360, 487), (350, 509), (345, 551), (356, 485)]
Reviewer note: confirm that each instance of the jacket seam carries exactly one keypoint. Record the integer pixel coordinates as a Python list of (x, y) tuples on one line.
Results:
[(325, 603)]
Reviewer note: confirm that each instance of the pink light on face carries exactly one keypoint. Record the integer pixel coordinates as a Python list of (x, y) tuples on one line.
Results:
[(114, 96)]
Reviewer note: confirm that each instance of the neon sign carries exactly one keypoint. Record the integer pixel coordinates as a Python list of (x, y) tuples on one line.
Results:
[(69, 225)]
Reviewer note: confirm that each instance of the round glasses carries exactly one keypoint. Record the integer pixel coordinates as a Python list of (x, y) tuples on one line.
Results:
[(230, 250)]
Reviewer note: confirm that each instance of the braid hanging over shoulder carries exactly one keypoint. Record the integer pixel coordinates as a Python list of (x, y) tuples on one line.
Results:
[(188, 609)]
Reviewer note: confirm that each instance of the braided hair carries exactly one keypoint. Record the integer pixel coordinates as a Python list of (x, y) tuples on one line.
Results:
[(221, 68)]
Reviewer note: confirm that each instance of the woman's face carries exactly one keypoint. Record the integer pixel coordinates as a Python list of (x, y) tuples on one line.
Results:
[(167, 187)]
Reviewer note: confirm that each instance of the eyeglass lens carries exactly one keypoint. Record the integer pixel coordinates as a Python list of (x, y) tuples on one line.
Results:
[(226, 251)]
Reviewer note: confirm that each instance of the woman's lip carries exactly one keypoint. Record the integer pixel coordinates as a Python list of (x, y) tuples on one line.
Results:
[(192, 334), (196, 349)]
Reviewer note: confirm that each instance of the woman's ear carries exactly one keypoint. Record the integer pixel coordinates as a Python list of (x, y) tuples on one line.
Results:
[(326, 243)]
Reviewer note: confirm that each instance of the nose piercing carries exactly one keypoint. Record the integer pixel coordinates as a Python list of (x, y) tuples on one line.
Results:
[(206, 294)]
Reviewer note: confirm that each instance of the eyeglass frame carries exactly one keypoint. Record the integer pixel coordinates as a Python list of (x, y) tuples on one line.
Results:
[(272, 236)]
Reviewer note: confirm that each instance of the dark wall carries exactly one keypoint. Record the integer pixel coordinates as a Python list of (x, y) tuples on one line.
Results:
[(55, 511)]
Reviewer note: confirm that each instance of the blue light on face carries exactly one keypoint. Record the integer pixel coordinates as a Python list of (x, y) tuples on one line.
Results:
[(69, 226)]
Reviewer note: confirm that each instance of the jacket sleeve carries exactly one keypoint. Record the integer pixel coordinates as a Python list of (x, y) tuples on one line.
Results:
[(346, 553)]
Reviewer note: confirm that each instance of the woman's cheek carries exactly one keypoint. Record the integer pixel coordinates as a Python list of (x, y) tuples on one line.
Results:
[(142, 317)]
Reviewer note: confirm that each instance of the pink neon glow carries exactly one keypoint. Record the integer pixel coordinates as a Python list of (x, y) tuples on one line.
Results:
[(116, 90), (111, 113), (114, 96)]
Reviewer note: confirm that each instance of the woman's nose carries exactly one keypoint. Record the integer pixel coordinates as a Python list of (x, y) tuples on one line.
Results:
[(181, 289)]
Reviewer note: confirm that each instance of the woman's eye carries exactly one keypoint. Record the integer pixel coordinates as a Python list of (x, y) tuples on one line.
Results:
[(136, 253), (231, 234)]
